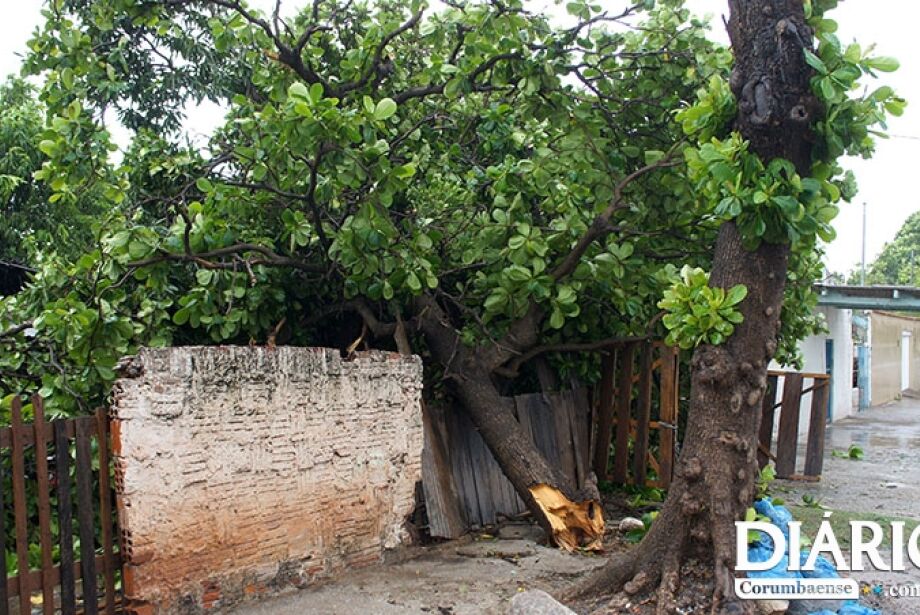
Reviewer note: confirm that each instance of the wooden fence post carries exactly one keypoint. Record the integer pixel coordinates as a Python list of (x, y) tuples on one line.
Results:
[(788, 437), (623, 398)]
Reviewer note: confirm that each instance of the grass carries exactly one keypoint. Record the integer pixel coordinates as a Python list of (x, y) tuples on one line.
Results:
[(811, 517)]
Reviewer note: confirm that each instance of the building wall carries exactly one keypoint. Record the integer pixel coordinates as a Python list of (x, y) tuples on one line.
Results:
[(243, 470), (839, 324), (885, 335)]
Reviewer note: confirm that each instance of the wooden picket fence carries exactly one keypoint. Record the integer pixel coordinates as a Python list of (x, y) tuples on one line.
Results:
[(637, 396), (42, 456), (787, 437)]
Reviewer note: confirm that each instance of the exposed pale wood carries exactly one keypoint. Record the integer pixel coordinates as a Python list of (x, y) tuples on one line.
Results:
[(788, 438), (575, 524)]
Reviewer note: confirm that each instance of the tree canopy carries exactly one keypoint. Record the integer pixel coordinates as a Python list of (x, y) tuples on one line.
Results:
[(896, 264), (376, 153)]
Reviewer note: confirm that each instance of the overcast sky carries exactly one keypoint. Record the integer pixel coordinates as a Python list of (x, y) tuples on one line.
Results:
[(886, 184)]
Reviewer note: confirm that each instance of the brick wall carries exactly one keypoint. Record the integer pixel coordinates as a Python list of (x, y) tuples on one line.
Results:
[(243, 470)]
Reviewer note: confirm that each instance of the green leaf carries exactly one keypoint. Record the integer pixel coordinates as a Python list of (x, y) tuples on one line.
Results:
[(815, 62), (385, 109), (735, 295), (653, 155), (204, 184), (883, 63)]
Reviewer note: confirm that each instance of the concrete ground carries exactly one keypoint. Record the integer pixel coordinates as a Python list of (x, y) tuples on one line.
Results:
[(885, 479), (881, 484)]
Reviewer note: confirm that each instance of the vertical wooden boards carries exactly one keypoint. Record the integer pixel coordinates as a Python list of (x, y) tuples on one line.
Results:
[(44, 506), (4, 596), (640, 461), (767, 418), (604, 430), (84, 467), (445, 519), (105, 510), (65, 516), (787, 439), (20, 512), (623, 399), (817, 426), (667, 416)]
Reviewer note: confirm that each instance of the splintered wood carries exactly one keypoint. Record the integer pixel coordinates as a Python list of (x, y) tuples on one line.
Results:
[(576, 525)]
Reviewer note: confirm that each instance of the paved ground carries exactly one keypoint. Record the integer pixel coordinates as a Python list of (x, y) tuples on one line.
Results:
[(884, 482)]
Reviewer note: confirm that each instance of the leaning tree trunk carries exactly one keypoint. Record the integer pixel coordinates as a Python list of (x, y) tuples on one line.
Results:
[(717, 468), (570, 516)]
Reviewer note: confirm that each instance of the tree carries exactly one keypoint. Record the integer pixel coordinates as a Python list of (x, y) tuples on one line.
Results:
[(784, 144), (29, 217), (896, 263), (475, 185)]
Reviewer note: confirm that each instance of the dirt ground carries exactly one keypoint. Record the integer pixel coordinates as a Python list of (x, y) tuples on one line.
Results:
[(467, 577), (481, 574)]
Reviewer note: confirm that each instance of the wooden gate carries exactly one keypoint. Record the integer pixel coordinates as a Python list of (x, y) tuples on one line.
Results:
[(56, 514), (637, 405)]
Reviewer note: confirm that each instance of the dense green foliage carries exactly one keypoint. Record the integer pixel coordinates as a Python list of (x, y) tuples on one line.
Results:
[(897, 263), (374, 153), (31, 219)]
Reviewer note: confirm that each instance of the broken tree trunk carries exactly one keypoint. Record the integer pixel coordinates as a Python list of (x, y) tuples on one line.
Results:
[(572, 517)]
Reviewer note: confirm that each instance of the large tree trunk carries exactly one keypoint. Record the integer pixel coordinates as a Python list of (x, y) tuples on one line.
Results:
[(718, 464)]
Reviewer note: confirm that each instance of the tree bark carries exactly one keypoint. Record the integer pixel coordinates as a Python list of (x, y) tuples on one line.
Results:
[(716, 472), (578, 521)]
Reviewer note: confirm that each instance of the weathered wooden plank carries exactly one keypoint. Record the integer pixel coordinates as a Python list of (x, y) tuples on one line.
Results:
[(20, 511), (644, 409), (767, 418), (814, 451), (65, 516), (623, 402), (603, 432), (105, 510), (581, 422), (28, 436), (85, 515), (788, 436), (4, 594), (44, 504), (482, 476), (667, 417), (442, 503), (463, 466), (559, 407)]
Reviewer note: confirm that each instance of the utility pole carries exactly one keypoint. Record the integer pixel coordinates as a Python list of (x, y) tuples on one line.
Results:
[(862, 274)]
